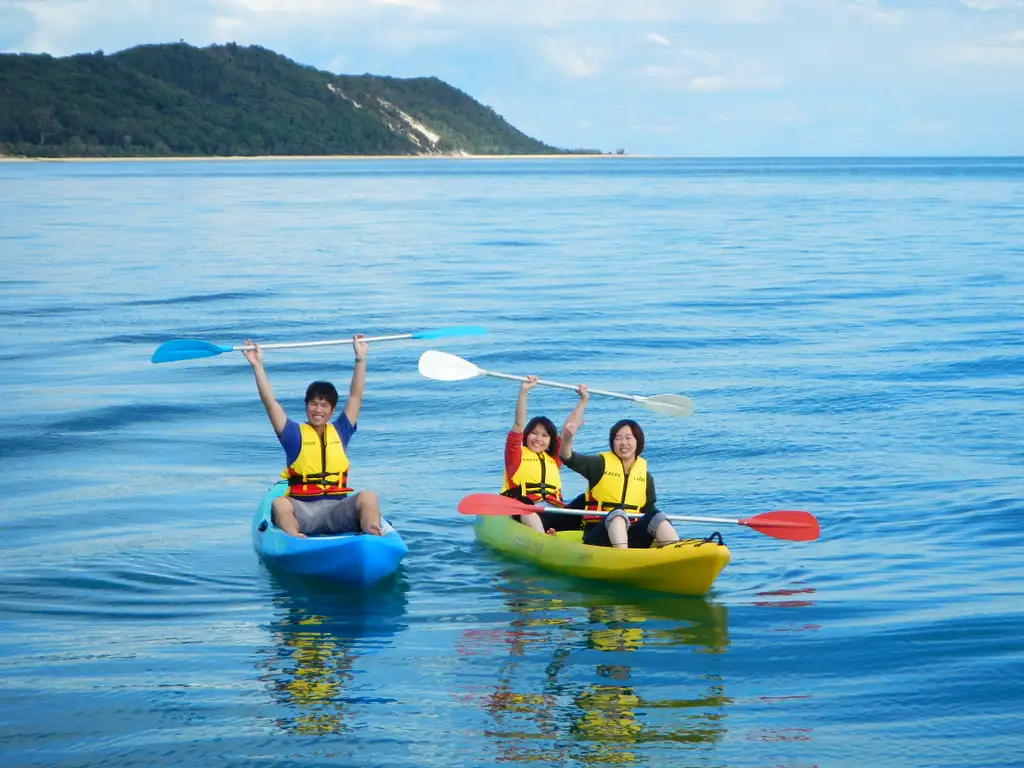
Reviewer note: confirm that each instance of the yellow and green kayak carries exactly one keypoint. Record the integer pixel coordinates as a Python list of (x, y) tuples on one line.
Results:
[(688, 567)]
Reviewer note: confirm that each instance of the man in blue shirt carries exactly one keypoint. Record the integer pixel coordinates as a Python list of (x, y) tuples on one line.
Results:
[(318, 500)]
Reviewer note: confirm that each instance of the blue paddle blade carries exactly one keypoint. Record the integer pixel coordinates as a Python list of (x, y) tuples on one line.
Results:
[(186, 349), (455, 330)]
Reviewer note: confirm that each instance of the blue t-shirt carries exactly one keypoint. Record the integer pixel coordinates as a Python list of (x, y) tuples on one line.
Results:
[(291, 437)]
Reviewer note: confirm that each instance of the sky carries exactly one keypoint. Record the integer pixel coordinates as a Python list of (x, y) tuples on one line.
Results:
[(694, 78)]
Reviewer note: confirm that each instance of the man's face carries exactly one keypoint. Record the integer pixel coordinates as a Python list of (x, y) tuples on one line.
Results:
[(318, 411)]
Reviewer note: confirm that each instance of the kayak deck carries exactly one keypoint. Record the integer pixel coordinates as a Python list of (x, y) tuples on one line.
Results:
[(349, 559), (687, 567)]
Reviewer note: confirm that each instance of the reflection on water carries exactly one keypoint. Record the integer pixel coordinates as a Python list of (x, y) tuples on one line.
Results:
[(592, 703), (802, 598), (784, 598), (318, 639)]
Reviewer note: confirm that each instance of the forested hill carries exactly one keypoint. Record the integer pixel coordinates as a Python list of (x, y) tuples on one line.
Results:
[(233, 100)]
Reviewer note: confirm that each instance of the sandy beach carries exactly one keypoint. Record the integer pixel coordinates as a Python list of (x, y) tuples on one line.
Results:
[(13, 159)]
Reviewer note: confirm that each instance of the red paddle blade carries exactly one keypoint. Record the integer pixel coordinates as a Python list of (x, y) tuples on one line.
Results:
[(492, 504), (789, 524)]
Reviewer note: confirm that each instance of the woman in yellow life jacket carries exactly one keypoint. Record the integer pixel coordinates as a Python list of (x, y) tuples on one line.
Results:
[(318, 499), (620, 490), (531, 464)]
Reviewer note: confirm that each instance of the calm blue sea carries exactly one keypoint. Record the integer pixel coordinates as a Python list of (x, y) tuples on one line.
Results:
[(851, 331)]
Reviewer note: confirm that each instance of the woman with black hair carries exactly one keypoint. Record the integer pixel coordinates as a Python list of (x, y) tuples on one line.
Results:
[(619, 486), (532, 463)]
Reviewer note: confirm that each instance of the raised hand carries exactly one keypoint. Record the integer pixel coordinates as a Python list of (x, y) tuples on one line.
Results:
[(571, 425), (359, 347), (254, 356)]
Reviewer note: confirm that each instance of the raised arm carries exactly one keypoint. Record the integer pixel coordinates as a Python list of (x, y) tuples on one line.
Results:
[(573, 422), (274, 409), (520, 421), (355, 389), (577, 413)]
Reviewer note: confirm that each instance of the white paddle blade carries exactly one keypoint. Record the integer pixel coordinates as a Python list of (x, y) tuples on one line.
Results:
[(442, 366), (670, 405)]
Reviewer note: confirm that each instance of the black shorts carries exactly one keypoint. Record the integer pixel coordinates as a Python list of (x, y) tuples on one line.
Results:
[(639, 535)]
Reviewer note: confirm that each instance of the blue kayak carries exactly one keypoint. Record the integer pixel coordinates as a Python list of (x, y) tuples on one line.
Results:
[(348, 559)]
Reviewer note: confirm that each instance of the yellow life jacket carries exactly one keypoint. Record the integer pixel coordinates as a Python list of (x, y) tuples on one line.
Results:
[(321, 468), (536, 479), (613, 491)]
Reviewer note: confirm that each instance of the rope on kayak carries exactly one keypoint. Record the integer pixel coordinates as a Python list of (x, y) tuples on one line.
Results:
[(714, 538)]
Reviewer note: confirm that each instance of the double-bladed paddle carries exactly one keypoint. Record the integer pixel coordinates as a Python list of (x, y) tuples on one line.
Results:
[(442, 366), (193, 349), (791, 525)]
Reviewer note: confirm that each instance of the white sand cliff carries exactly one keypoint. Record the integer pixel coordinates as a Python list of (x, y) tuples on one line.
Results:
[(405, 125)]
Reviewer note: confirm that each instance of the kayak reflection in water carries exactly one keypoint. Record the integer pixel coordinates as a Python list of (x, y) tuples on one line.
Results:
[(607, 715), (607, 719), (319, 639), (308, 672), (532, 462), (619, 488), (318, 499)]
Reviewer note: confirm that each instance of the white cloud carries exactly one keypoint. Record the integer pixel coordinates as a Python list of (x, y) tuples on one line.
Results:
[(708, 84), (872, 11), (228, 28), (569, 60), (992, 54), (994, 5), (770, 115), (338, 65), (665, 129), (1007, 51), (677, 64), (635, 11), (311, 9), (708, 72), (430, 6), (659, 72), (752, 80), (921, 126)]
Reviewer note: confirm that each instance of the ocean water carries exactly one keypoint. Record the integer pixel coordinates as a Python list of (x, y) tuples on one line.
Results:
[(851, 332)]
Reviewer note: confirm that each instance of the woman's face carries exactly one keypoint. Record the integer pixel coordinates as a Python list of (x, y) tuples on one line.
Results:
[(538, 440), (624, 443)]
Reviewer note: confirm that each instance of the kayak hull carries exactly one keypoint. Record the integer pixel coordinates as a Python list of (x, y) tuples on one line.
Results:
[(353, 560), (688, 567)]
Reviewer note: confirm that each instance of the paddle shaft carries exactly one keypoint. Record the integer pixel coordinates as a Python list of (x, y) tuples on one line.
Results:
[(555, 384), (683, 518), (297, 344), (786, 524)]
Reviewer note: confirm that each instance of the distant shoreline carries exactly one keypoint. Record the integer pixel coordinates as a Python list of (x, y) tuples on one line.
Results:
[(234, 158)]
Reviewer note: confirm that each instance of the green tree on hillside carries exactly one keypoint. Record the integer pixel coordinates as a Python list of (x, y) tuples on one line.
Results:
[(176, 99)]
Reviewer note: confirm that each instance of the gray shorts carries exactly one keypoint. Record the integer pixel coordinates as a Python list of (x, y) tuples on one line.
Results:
[(327, 515)]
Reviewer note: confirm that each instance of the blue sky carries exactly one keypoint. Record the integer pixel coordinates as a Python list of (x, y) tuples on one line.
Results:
[(661, 77)]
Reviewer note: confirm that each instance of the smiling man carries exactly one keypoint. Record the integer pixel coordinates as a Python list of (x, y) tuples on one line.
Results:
[(318, 499)]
